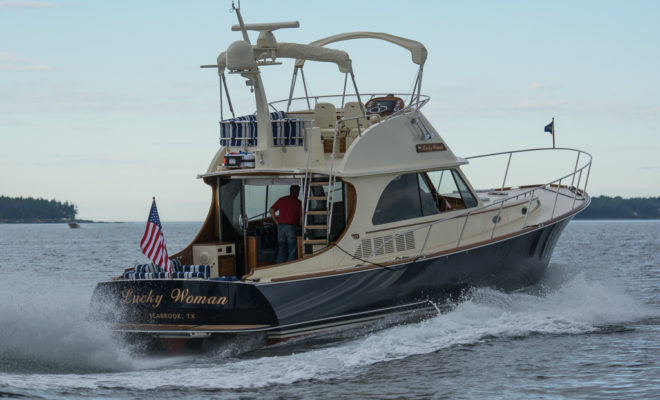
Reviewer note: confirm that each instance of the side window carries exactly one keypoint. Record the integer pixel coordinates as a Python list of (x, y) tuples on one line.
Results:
[(406, 196), (468, 197), (275, 192), (429, 205), (399, 201), (255, 201), (260, 197), (452, 189)]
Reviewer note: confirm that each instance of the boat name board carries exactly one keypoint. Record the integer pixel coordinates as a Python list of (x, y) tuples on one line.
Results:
[(427, 147), (130, 296)]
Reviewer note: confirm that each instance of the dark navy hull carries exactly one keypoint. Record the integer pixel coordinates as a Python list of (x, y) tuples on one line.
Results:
[(508, 265), (301, 306)]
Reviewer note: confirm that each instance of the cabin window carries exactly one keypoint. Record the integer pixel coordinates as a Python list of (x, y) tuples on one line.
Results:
[(427, 200), (453, 192), (403, 198), (466, 194), (421, 194), (260, 195), (230, 209)]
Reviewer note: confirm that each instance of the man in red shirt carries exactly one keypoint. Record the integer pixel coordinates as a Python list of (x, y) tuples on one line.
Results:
[(288, 224)]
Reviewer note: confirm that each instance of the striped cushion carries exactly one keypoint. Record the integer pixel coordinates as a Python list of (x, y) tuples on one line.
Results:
[(193, 271), (131, 275), (288, 132), (206, 269), (146, 268), (150, 271), (242, 131), (176, 264), (188, 275)]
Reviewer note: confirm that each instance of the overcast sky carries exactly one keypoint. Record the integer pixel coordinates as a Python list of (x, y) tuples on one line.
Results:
[(103, 103)]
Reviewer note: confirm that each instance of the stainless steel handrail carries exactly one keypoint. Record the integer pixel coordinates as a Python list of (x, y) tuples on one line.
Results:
[(423, 98)]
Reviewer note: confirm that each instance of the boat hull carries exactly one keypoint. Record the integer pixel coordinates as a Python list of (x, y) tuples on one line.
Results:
[(318, 304)]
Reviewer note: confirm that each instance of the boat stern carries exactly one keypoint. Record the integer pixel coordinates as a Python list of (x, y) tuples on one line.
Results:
[(181, 307)]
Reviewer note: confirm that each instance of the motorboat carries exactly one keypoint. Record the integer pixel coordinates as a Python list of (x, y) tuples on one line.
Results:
[(392, 229)]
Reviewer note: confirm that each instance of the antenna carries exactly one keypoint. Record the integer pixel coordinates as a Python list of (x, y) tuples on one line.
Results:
[(268, 26), (241, 25)]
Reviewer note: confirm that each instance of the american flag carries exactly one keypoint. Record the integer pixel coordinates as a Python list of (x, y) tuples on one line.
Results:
[(153, 241)]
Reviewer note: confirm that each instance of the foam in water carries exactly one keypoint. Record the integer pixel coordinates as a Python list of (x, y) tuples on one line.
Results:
[(44, 328), (578, 306)]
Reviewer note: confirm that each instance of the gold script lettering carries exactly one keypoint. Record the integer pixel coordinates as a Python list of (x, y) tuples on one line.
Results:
[(128, 296), (183, 296)]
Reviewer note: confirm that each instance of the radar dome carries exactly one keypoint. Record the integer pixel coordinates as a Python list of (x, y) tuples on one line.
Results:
[(240, 56)]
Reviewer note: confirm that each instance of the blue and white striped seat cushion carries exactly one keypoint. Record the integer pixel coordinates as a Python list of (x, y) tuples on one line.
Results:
[(139, 271), (132, 275), (193, 271), (176, 264), (187, 275), (151, 267), (242, 131), (288, 132), (152, 271)]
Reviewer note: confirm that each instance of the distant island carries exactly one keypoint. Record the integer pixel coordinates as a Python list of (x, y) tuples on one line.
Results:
[(604, 207), (30, 210)]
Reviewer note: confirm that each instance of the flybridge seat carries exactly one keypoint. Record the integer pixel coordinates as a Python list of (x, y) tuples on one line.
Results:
[(152, 271), (242, 131)]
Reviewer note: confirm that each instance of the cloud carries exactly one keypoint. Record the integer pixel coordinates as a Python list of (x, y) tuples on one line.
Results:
[(25, 4), (16, 63)]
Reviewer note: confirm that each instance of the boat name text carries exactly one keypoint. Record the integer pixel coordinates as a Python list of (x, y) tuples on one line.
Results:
[(183, 296), (129, 296), (426, 147)]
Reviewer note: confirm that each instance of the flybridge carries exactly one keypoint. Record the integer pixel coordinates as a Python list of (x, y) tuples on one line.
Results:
[(245, 59)]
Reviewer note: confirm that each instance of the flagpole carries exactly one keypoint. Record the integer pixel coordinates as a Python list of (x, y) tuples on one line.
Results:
[(553, 132)]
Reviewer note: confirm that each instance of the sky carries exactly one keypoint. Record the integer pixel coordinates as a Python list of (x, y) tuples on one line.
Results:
[(103, 103)]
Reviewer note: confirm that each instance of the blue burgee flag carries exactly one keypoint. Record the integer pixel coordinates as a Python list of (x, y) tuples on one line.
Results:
[(550, 127)]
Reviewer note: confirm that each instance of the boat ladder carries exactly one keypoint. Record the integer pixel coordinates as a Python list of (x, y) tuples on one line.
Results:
[(319, 190)]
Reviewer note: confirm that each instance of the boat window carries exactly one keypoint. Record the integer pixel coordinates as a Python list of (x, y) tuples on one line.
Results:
[(406, 196), (468, 197), (230, 207), (453, 192), (255, 201), (260, 196), (429, 205)]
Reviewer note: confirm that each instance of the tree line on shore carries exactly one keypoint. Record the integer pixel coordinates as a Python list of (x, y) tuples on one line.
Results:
[(28, 209), (604, 207)]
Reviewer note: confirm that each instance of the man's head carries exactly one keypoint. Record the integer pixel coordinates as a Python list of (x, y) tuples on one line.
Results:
[(294, 190)]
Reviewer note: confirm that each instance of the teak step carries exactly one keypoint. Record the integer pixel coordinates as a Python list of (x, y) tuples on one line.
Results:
[(314, 241), (319, 183), (317, 212), (316, 226)]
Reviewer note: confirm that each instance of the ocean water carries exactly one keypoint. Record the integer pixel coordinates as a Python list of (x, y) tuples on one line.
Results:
[(589, 330)]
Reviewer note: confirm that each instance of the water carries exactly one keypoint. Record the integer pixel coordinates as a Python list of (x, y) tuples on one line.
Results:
[(590, 330)]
